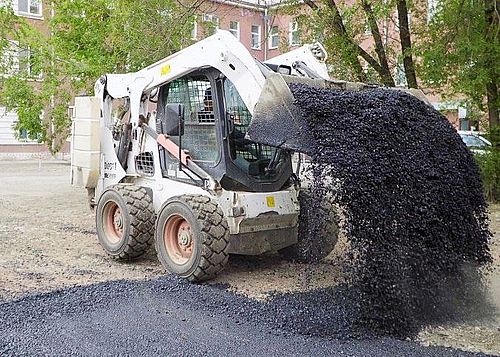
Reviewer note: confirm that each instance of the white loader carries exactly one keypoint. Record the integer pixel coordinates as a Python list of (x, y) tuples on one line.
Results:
[(166, 156)]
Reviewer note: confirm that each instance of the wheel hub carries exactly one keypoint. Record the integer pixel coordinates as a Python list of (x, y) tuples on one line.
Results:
[(114, 223), (184, 238), (178, 239), (118, 220)]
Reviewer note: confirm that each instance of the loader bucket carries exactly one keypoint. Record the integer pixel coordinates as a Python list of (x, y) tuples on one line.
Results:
[(278, 122)]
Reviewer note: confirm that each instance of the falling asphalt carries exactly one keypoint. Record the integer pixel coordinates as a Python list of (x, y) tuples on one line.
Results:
[(413, 206)]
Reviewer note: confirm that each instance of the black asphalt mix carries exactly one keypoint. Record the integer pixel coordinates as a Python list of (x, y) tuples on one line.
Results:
[(413, 203), (170, 317)]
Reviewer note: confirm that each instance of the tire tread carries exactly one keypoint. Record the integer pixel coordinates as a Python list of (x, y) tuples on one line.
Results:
[(142, 221)]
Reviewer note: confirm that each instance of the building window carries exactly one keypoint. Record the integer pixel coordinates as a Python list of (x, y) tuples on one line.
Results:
[(400, 75), (274, 37), (194, 31), (17, 59), (9, 60), (256, 37), (432, 6), (27, 63), (31, 7), (464, 124), (22, 134), (294, 34), (234, 28), (211, 23)]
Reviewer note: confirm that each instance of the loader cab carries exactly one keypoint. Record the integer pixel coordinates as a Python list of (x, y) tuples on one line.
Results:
[(214, 127)]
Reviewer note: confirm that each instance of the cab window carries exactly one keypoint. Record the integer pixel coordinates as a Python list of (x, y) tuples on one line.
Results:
[(200, 136)]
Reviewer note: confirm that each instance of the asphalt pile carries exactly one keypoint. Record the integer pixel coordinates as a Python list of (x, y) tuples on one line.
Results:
[(414, 209), (170, 316)]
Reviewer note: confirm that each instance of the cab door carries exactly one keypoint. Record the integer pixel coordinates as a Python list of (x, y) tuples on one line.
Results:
[(200, 137)]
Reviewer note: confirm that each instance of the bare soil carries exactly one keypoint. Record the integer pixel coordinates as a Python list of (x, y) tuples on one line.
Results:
[(48, 241)]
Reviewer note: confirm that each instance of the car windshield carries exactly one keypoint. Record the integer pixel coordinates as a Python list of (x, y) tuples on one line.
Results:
[(473, 141)]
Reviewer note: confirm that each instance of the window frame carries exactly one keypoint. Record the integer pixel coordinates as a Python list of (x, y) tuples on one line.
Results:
[(237, 30), (293, 28), (26, 67), (400, 74), (273, 36), (194, 31), (214, 20), (258, 35), (9, 61), (28, 13)]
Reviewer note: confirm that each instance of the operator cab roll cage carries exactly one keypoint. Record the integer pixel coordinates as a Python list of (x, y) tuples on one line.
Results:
[(237, 164)]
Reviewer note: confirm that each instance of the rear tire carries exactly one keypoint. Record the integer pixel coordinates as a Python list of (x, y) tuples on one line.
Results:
[(318, 230), (125, 221), (192, 237)]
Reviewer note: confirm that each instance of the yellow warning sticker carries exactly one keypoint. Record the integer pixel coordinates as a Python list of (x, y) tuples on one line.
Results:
[(165, 69), (270, 201)]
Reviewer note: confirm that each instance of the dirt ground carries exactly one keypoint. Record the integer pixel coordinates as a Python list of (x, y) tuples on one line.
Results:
[(48, 241)]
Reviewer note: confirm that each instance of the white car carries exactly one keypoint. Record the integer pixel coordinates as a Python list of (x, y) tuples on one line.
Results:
[(476, 143)]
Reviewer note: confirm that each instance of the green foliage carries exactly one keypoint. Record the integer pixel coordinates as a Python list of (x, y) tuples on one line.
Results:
[(27, 103), (84, 40), (489, 164), (460, 51), (493, 135)]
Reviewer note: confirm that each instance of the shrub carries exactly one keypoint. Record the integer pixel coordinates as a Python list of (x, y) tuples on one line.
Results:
[(489, 164)]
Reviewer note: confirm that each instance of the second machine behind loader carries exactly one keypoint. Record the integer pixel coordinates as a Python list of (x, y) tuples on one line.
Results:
[(167, 156)]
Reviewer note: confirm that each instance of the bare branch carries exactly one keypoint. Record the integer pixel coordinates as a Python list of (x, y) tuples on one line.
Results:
[(340, 30), (384, 71)]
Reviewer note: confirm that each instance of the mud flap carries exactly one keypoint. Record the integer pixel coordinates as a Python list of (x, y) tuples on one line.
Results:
[(277, 121)]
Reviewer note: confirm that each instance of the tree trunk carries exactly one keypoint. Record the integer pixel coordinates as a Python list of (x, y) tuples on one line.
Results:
[(405, 38), (354, 49), (491, 8), (385, 72), (492, 102), (339, 28)]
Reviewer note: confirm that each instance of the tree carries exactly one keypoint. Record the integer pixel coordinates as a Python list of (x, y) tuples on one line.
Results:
[(406, 48), (344, 25), (85, 39), (461, 53)]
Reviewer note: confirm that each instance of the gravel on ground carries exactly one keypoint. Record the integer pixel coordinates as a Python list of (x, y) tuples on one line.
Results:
[(169, 316), (48, 242)]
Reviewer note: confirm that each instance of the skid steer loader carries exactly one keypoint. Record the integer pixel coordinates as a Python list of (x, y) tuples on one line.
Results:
[(186, 153)]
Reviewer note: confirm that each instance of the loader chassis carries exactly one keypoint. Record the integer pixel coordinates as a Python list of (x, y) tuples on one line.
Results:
[(256, 196), (210, 188)]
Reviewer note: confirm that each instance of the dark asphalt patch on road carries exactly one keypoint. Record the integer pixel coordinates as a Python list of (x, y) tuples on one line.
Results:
[(168, 316)]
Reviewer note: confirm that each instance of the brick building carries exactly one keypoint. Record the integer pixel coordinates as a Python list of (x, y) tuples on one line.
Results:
[(253, 22)]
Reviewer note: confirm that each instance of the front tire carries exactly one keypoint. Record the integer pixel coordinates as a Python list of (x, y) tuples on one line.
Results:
[(125, 221), (192, 237)]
